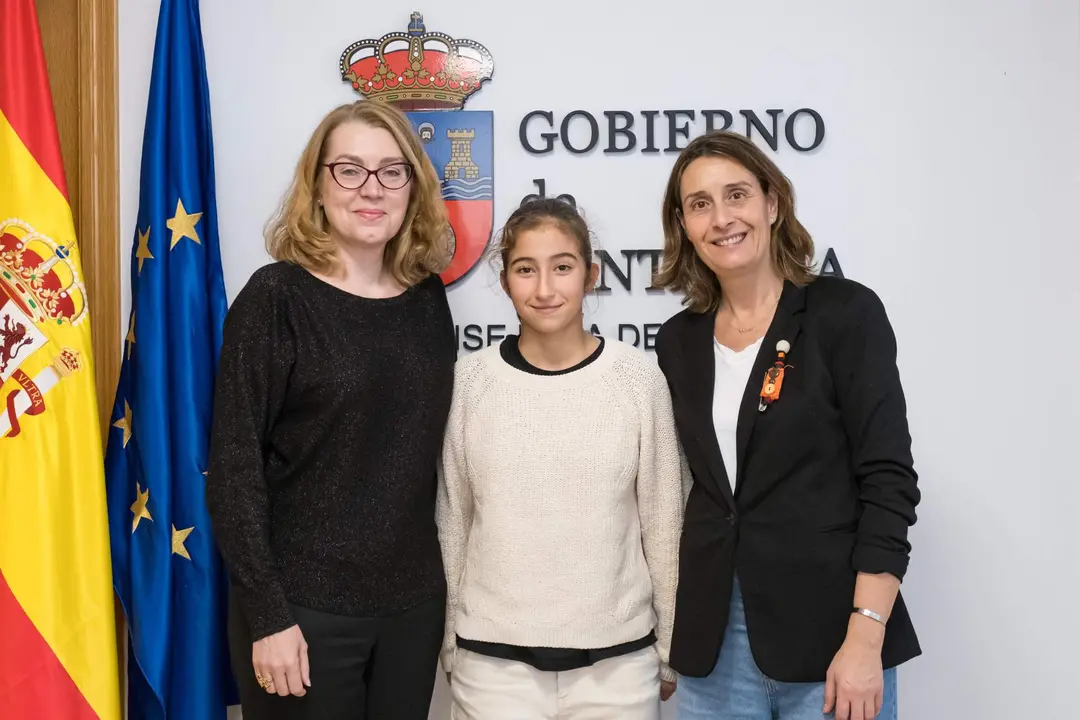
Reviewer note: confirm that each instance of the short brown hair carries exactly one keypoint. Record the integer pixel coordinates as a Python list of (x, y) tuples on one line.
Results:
[(299, 232), (682, 270), (540, 213)]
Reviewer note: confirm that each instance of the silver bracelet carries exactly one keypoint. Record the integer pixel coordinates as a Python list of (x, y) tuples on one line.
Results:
[(868, 613)]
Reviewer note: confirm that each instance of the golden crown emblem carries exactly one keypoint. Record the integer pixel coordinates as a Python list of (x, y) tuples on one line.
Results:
[(417, 69), (39, 275)]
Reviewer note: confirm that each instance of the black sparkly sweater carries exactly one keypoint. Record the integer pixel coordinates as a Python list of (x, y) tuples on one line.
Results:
[(328, 421)]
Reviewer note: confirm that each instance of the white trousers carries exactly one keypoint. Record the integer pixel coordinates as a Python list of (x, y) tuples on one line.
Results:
[(619, 688)]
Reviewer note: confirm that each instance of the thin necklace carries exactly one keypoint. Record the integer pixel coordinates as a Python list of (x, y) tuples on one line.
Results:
[(743, 330)]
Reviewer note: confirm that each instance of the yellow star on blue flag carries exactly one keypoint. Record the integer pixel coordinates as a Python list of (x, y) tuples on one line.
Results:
[(166, 568)]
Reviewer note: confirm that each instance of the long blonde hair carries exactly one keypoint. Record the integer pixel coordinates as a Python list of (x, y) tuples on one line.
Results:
[(299, 232)]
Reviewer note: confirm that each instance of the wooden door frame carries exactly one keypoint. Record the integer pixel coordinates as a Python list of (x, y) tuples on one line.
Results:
[(97, 224), (97, 179), (80, 39)]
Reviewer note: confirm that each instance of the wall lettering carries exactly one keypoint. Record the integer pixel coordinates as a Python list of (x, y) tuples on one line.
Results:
[(652, 131)]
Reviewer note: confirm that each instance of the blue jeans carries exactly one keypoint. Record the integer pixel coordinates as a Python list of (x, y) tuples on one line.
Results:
[(737, 690)]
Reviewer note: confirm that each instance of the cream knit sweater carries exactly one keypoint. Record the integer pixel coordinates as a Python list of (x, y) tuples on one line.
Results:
[(560, 504)]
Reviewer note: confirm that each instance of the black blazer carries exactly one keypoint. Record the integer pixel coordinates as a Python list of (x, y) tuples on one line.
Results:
[(825, 484)]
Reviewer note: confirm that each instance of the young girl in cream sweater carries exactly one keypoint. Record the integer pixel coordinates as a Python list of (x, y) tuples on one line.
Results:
[(560, 502)]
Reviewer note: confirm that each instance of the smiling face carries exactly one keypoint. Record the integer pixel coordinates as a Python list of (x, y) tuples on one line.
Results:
[(372, 213), (547, 277), (727, 216)]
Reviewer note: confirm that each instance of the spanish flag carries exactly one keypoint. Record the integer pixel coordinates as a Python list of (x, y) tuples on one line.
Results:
[(57, 631)]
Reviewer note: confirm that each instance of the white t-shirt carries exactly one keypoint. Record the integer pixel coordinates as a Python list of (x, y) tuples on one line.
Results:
[(732, 374)]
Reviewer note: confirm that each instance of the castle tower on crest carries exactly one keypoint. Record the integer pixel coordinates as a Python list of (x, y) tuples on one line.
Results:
[(461, 164)]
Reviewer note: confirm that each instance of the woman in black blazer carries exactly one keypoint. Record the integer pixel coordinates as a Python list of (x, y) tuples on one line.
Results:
[(791, 412)]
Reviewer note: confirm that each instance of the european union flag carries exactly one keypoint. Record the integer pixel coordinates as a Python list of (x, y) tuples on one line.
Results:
[(166, 568)]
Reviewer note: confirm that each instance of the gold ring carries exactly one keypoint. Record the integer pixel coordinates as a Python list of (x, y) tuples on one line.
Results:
[(264, 682)]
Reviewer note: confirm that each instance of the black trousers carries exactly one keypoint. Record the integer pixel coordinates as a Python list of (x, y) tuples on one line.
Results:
[(361, 668)]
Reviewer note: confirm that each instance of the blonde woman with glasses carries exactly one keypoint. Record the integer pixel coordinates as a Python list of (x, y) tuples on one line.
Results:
[(335, 381)]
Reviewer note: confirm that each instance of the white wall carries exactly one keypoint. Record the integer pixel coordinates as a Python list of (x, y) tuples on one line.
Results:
[(947, 182)]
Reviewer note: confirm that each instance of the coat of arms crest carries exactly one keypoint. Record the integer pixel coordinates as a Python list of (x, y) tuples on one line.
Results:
[(427, 74)]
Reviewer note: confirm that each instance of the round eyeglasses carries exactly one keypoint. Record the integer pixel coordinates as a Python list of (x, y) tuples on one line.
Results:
[(352, 176)]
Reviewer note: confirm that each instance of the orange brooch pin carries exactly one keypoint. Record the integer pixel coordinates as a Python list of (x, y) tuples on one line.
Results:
[(774, 377)]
